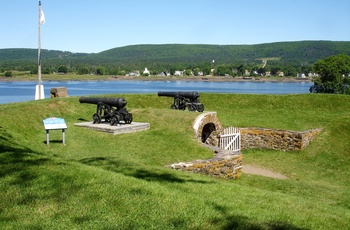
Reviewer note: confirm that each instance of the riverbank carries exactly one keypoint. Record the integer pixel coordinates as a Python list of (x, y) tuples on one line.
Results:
[(71, 77), (216, 79)]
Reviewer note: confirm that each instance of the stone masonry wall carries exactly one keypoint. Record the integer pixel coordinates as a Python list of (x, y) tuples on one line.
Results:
[(276, 139), (225, 164), (228, 164)]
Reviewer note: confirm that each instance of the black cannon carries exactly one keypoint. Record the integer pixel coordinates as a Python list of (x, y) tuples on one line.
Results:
[(183, 100), (112, 110)]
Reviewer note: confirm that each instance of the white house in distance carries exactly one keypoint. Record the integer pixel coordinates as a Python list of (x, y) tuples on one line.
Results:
[(146, 72), (135, 73), (179, 73)]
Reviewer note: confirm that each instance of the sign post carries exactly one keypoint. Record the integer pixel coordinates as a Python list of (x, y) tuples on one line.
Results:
[(54, 123), (39, 89)]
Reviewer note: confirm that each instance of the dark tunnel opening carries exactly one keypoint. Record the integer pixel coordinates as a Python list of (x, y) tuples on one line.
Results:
[(207, 130)]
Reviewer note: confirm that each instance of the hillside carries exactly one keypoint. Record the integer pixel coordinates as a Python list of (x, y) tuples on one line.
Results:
[(305, 51), (29, 54), (288, 53)]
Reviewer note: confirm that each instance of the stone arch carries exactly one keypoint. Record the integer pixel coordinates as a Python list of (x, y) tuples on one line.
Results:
[(205, 124)]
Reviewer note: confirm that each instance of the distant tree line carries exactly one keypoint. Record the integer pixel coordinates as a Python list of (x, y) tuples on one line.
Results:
[(253, 69)]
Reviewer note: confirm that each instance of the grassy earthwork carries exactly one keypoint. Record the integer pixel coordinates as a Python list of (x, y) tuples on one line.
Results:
[(102, 181)]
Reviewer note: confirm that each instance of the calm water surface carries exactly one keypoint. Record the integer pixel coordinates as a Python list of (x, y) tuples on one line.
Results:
[(25, 91)]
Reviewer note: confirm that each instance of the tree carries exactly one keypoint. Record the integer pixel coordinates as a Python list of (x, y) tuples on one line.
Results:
[(100, 70), (8, 74), (34, 70), (62, 69), (334, 74), (206, 70), (222, 70), (83, 70), (261, 71), (46, 71), (188, 72), (196, 71), (274, 70)]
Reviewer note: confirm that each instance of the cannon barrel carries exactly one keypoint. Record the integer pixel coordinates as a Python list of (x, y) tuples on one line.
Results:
[(117, 102), (189, 95)]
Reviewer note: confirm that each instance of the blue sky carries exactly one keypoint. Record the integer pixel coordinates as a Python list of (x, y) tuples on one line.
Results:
[(92, 26)]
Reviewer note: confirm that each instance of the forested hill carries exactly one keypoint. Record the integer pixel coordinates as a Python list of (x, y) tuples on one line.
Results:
[(21, 54), (304, 51), (286, 53)]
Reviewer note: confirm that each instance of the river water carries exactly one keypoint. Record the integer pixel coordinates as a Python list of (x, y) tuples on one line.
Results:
[(25, 91)]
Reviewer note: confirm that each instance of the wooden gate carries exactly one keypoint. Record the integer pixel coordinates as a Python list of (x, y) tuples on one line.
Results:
[(230, 139)]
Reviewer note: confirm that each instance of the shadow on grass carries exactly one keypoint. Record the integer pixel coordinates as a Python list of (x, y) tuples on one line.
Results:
[(155, 175), (82, 119), (14, 151), (230, 221), (54, 142), (28, 177), (163, 177), (16, 159)]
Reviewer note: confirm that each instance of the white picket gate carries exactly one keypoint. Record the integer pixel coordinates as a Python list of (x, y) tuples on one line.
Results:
[(230, 139)]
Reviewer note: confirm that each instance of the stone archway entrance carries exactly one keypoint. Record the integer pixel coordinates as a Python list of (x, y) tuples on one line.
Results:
[(205, 125), (225, 164)]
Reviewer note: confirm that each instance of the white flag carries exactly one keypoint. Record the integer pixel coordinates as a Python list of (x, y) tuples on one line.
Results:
[(42, 17)]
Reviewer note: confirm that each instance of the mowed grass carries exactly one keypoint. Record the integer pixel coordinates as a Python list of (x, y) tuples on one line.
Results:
[(102, 181)]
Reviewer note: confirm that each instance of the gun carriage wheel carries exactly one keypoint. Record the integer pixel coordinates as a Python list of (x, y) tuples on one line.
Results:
[(192, 107), (96, 118), (200, 107), (128, 118), (114, 120), (180, 103)]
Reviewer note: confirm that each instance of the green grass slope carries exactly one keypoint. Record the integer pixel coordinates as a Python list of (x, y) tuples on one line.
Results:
[(101, 181)]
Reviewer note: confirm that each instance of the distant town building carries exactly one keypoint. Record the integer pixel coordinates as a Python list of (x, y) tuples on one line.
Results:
[(146, 72), (163, 74), (135, 73), (178, 73), (312, 74)]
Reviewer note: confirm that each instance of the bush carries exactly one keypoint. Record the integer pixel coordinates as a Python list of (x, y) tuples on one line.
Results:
[(8, 74)]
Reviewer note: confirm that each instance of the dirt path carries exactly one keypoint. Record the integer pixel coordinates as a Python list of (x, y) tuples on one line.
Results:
[(250, 169)]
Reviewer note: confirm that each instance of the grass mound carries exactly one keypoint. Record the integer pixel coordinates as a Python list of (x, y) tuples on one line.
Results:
[(101, 181)]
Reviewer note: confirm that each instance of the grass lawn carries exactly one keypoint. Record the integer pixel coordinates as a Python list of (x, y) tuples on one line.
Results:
[(102, 181)]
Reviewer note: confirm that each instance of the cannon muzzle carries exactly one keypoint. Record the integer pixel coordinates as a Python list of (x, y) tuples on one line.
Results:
[(117, 102), (190, 95)]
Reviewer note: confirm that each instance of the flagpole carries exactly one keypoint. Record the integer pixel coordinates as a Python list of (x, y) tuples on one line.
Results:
[(39, 94)]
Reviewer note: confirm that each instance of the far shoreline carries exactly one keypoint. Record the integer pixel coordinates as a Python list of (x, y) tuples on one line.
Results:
[(56, 77)]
